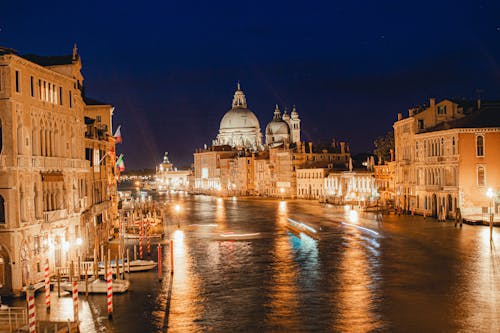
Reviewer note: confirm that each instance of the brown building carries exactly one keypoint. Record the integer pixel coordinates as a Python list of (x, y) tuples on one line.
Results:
[(43, 170), (446, 158)]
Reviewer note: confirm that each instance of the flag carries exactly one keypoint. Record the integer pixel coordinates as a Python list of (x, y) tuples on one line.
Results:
[(118, 135), (120, 164)]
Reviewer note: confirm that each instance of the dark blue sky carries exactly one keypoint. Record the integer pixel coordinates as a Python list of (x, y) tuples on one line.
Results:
[(170, 68)]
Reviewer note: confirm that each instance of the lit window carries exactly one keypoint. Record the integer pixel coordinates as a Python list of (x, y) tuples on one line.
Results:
[(480, 145), (480, 176), (442, 109)]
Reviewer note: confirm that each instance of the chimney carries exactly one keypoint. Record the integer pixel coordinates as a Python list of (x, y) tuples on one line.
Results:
[(310, 148), (432, 102), (342, 147), (478, 103), (392, 155), (400, 116)]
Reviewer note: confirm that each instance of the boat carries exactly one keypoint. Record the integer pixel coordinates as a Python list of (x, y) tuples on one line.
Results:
[(135, 266), (297, 228), (97, 286)]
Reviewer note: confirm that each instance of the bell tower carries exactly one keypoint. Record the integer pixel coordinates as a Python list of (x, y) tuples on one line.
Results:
[(295, 125)]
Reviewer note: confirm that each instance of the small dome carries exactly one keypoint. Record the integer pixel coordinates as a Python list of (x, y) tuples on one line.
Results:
[(277, 130), (277, 127)]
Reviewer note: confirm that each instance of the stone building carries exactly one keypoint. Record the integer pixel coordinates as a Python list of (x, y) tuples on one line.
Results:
[(355, 186), (43, 168), (446, 157), (169, 178), (385, 183), (100, 215), (238, 164)]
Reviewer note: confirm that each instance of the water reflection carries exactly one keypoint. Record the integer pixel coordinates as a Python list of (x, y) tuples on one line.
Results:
[(356, 299)]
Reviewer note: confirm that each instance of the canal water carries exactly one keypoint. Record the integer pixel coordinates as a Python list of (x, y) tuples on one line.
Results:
[(238, 268)]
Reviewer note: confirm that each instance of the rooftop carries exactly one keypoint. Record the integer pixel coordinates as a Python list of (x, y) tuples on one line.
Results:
[(487, 116)]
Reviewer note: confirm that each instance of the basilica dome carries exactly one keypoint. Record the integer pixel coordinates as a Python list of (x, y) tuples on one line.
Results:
[(239, 118), (239, 127), (278, 130)]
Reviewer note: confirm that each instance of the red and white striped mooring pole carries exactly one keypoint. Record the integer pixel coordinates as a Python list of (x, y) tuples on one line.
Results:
[(47, 285), (109, 284), (75, 300), (30, 297), (140, 241)]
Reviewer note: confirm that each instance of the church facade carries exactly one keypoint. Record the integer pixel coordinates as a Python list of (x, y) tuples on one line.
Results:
[(239, 163)]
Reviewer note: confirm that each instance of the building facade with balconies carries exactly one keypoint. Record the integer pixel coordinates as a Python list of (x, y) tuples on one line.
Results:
[(43, 170), (441, 159)]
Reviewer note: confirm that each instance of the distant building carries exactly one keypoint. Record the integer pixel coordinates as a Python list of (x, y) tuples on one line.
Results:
[(169, 178), (447, 157), (239, 164)]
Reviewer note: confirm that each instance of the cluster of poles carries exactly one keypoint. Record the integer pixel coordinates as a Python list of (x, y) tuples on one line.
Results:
[(75, 277)]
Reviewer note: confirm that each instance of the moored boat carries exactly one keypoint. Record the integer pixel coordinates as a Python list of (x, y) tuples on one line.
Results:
[(97, 286)]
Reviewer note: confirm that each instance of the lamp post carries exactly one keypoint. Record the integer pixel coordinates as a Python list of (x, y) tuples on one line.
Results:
[(490, 195)]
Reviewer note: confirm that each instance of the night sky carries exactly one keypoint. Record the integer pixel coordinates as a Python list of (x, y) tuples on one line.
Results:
[(170, 68)]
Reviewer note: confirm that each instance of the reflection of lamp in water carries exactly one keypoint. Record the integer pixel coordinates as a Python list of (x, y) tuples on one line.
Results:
[(490, 196), (178, 235), (353, 216)]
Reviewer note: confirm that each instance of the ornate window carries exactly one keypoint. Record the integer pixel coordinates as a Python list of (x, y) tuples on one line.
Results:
[(480, 145), (481, 179)]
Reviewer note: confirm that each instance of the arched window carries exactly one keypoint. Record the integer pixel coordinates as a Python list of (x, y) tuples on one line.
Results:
[(2, 210), (480, 176), (480, 145)]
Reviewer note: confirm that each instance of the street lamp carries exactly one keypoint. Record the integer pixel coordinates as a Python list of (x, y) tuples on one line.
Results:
[(177, 209), (489, 194), (282, 191)]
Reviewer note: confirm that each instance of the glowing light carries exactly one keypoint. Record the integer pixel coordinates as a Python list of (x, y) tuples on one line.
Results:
[(79, 241), (203, 225), (282, 206), (240, 235), (282, 190), (303, 225), (347, 208), (219, 200), (362, 228), (178, 235), (489, 192), (177, 208), (65, 246), (353, 216)]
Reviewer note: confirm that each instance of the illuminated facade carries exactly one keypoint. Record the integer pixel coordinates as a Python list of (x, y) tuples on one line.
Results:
[(350, 186), (385, 177), (169, 178), (237, 164), (45, 181), (446, 158)]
